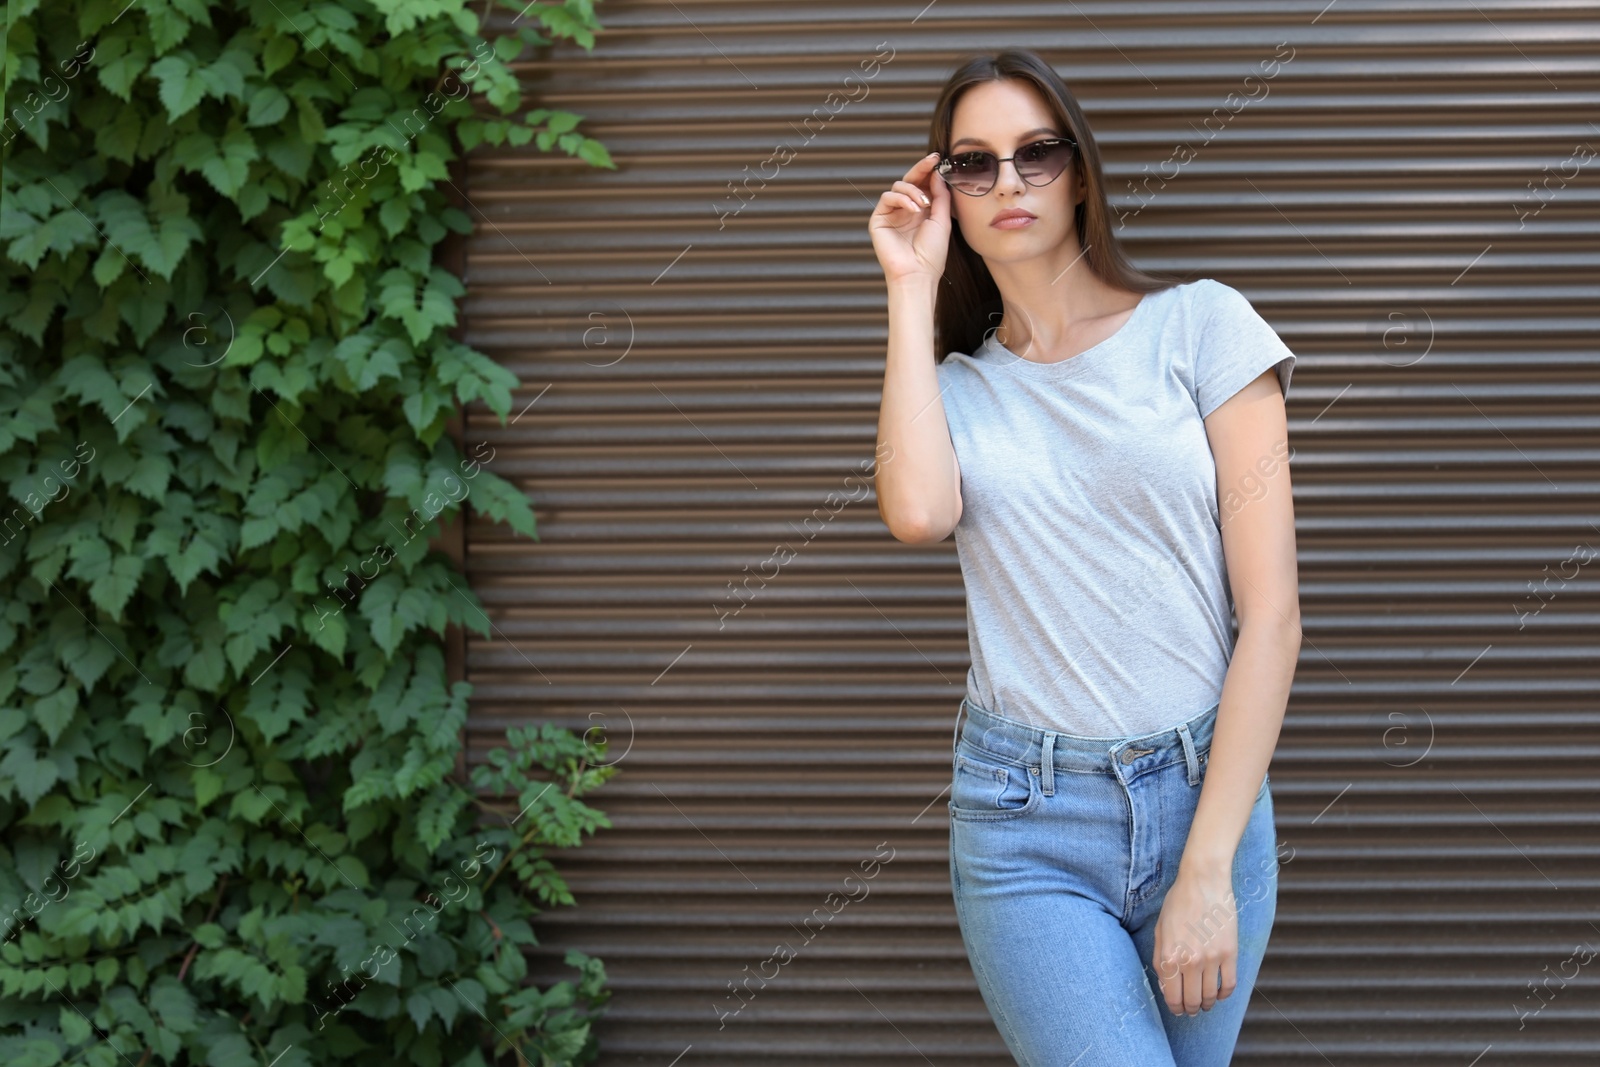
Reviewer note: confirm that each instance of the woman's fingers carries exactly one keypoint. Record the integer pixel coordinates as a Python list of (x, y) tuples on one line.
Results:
[(892, 203), (1168, 973), (913, 191), (922, 168), (922, 177), (1183, 973), (1208, 986), (1230, 977), (1193, 978), (939, 193), (1179, 973), (1198, 982), (909, 203)]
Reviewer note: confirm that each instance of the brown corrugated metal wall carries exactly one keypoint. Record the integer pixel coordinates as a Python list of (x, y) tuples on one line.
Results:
[(1411, 197)]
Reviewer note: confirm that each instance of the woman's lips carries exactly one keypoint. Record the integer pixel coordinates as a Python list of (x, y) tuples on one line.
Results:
[(1015, 222)]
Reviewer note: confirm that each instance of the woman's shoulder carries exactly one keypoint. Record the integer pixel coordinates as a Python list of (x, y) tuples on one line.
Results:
[(961, 362), (1209, 293), (1201, 302)]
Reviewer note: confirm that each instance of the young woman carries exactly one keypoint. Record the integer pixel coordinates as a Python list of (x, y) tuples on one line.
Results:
[(1110, 450)]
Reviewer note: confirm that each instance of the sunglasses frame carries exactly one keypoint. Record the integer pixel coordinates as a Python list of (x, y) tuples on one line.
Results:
[(945, 162)]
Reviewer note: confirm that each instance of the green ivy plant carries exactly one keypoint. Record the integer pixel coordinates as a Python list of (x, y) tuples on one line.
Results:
[(234, 832)]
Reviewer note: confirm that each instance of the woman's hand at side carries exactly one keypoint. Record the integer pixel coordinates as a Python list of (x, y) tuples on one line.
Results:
[(1196, 954), (910, 227)]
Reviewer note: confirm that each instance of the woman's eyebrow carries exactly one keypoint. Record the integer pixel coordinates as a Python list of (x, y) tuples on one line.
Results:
[(984, 144)]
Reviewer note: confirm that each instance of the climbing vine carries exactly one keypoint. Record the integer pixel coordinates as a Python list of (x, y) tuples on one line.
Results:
[(233, 829)]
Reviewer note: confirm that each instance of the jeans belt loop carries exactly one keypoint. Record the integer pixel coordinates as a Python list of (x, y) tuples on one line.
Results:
[(1189, 753), (1047, 764)]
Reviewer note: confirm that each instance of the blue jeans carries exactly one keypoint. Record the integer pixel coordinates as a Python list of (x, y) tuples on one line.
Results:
[(1062, 850)]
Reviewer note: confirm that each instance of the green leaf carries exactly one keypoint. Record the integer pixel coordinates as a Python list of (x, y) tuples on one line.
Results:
[(250, 805), (59, 232), (105, 970), (181, 86), (348, 938), (206, 669), (424, 408), (280, 698), (507, 47), (127, 226), (268, 106), (111, 590), (85, 377), (594, 153), (168, 27), (75, 1029), (421, 307), (228, 169), (326, 627), (173, 1005), (28, 775), (254, 622), (207, 786), (378, 603), (446, 1004), (119, 61), (420, 1007), (395, 215), (119, 139), (108, 267), (403, 16), (12, 720), (280, 49), (54, 712), (231, 1050), (164, 716), (226, 77), (562, 121), (88, 656), (151, 472)]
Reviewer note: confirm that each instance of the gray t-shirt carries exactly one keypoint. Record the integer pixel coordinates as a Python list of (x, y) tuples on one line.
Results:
[(1090, 541)]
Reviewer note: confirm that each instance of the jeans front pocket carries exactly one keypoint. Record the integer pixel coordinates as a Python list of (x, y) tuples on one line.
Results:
[(987, 789)]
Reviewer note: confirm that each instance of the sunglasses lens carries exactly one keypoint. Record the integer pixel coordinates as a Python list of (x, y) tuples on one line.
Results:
[(1042, 162), (972, 173)]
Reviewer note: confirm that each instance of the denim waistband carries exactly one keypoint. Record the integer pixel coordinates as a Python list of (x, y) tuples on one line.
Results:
[(1125, 758)]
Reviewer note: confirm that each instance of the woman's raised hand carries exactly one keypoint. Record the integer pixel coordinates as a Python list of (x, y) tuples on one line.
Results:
[(910, 227)]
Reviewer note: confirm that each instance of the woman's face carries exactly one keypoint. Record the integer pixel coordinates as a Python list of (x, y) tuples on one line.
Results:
[(1000, 117)]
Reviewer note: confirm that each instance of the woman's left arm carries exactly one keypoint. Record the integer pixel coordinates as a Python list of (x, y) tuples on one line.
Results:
[(1249, 440), (1249, 437)]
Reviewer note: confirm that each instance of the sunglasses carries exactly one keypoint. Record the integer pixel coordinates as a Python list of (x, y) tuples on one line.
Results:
[(1038, 163)]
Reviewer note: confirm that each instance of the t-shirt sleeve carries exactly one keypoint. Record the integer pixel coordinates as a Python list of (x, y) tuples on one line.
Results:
[(1234, 346)]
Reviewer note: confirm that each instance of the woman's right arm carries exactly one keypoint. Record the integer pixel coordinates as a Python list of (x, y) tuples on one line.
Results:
[(919, 484)]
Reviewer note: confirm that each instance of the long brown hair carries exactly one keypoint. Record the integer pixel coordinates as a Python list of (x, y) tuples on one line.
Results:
[(968, 300)]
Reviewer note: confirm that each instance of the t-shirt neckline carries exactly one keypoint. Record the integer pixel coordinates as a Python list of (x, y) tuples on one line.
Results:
[(1063, 368)]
